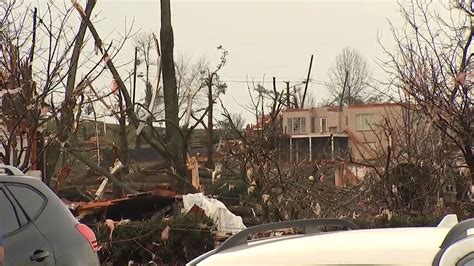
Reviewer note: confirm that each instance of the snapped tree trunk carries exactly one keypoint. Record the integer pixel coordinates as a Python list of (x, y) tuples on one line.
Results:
[(173, 137), (122, 146), (469, 156), (67, 110), (83, 159), (131, 115), (210, 126)]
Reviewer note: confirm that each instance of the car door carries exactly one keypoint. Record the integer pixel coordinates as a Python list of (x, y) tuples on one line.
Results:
[(24, 244)]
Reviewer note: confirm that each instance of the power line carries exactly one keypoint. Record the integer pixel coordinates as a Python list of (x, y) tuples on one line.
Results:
[(243, 79), (269, 81)]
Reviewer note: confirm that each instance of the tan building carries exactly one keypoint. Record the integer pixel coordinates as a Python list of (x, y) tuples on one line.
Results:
[(326, 132)]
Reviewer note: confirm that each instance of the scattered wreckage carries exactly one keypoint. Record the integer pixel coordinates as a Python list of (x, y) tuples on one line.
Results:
[(161, 200), (159, 208), (134, 206)]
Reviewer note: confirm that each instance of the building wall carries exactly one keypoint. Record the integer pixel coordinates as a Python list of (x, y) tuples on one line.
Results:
[(292, 114), (371, 136), (360, 123), (332, 120)]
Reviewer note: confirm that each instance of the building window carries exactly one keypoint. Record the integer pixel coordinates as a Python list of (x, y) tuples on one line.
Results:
[(296, 125), (364, 122), (313, 125), (324, 125)]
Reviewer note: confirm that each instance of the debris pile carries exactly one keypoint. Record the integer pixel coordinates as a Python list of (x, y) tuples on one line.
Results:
[(227, 222), (160, 225), (168, 240), (134, 207)]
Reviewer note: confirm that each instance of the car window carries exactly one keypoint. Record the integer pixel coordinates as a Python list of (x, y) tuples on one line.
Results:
[(30, 199), (8, 215)]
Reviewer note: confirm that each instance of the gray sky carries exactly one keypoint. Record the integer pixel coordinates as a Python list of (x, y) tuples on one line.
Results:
[(264, 38)]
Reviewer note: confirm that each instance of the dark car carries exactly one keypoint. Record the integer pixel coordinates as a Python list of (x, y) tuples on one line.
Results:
[(37, 227)]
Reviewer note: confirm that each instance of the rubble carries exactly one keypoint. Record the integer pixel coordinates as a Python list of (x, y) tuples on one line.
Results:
[(227, 222), (166, 240), (134, 206)]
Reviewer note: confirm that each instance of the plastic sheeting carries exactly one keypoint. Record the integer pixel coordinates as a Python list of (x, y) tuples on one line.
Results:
[(226, 221)]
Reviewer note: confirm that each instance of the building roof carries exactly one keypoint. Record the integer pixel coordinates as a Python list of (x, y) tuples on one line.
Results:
[(288, 110), (374, 105), (337, 107)]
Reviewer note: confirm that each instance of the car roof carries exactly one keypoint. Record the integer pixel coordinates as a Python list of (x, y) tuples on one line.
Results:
[(9, 173), (369, 246), (20, 179)]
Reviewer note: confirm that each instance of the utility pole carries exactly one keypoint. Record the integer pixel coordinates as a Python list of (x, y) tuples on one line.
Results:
[(134, 78), (307, 81), (287, 94), (343, 94), (210, 125)]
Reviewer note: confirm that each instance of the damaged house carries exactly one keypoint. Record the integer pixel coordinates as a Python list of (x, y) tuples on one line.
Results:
[(330, 132)]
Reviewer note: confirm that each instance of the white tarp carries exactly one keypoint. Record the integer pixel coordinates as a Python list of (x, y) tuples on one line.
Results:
[(226, 221)]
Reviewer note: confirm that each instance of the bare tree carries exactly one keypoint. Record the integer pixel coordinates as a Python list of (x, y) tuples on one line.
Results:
[(349, 78), (33, 93), (215, 87), (144, 44), (39, 57), (189, 83), (174, 158), (433, 66), (228, 126), (190, 74)]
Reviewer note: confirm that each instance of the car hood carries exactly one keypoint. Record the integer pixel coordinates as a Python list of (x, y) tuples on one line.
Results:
[(410, 246)]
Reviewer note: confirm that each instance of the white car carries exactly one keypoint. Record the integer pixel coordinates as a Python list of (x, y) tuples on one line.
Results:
[(450, 243)]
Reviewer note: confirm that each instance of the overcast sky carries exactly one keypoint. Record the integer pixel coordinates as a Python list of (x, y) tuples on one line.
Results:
[(265, 38)]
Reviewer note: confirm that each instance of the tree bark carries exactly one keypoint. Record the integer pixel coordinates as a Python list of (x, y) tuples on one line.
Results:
[(173, 137), (69, 99), (122, 146), (469, 156)]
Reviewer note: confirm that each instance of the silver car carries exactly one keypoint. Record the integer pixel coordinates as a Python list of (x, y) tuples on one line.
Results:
[(37, 227), (451, 243)]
